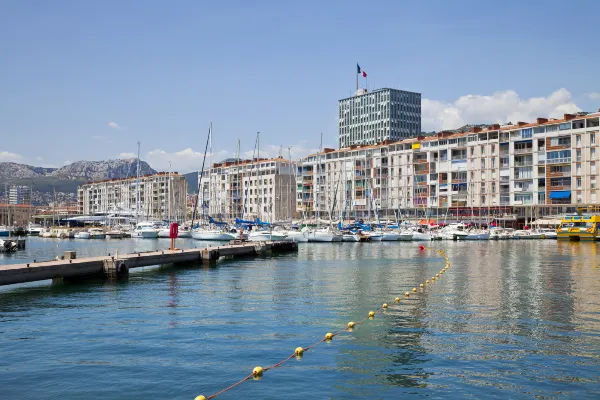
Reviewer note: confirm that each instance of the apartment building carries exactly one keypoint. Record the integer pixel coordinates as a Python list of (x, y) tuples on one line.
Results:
[(19, 194), (249, 189), (534, 169), (156, 193), (383, 114)]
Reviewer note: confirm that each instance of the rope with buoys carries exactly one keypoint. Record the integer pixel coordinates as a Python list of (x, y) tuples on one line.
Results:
[(258, 371)]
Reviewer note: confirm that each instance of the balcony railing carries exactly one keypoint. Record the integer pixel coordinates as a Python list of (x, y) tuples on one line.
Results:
[(558, 160), (524, 150), (523, 163)]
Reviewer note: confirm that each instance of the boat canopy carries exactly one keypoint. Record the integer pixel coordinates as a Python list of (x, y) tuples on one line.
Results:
[(560, 194)]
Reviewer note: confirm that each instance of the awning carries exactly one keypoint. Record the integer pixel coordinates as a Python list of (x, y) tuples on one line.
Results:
[(560, 194)]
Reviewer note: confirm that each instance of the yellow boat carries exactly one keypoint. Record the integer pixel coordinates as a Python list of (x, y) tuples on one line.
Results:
[(579, 227)]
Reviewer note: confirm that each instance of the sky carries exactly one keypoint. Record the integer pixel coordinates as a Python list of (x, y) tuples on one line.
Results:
[(85, 80)]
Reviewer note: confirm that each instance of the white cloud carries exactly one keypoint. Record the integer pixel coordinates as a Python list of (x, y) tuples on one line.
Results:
[(67, 162), (594, 96), (11, 157), (500, 107), (183, 161), (127, 155), (113, 125)]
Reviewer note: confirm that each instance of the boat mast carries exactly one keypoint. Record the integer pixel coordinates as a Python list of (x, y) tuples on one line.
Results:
[(200, 178), (260, 206), (291, 186), (169, 194), (137, 186)]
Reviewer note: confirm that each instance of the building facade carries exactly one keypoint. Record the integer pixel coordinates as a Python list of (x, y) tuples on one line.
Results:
[(156, 193), (19, 194), (531, 169), (384, 114), (15, 214), (248, 189)]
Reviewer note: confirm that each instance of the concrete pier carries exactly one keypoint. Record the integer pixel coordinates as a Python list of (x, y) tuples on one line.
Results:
[(117, 267)]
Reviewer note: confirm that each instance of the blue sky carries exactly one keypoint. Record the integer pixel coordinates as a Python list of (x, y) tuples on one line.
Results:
[(161, 71)]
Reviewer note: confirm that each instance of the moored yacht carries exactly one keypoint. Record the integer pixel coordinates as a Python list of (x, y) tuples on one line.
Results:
[(145, 230)]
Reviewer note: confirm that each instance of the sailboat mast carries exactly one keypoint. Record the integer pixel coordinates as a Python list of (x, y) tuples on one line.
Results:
[(200, 177), (291, 184), (260, 206), (137, 186), (169, 194)]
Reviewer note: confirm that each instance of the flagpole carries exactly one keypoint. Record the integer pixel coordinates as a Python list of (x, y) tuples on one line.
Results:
[(356, 70)]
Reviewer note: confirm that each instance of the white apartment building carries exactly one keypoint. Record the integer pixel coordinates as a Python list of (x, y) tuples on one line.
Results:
[(533, 169), (247, 189), (156, 193)]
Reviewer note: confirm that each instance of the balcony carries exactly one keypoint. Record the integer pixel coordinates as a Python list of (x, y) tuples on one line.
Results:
[(523, 163), (564, 160), (524, 150), (565, 187)]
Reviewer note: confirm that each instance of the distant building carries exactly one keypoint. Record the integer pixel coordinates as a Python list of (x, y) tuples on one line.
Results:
[(104, 196), (19, 194), (264, 189), (383, 114), (15, 214)]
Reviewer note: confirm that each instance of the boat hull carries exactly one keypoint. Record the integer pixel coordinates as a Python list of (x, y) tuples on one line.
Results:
[(145, 234), (217, 236), (390, 237)]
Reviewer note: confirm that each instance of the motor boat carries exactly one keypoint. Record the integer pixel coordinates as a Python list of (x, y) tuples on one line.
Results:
[(164, 232), (35, 229), (114, 234), (526, 234), (477, 235), (547, 233), (4, 231), (145, 230), (405, 236), (97, 233), (265, 236), (213, 234), (350, 237), (83, 235)]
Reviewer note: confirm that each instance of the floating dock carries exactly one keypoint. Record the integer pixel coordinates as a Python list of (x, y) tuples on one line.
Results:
[(118, 266)]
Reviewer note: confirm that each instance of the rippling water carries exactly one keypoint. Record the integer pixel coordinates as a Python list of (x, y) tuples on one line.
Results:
[(508, 320)]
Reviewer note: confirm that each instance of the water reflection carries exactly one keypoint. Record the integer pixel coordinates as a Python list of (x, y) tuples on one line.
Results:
[(509, 319)]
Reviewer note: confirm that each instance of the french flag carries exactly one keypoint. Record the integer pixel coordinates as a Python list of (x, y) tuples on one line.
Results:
[(360, 71)]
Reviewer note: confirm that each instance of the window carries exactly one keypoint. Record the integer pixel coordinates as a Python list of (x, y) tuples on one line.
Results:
[(593, 183), (472, 151), (593, 154), (539, 129), (578, 140), (560, 141), (578, 183), (552, 128), (565, 126), (593, 167), (593, 138)]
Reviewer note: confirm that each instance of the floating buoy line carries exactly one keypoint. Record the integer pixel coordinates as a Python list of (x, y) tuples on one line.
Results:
[(258, 371)]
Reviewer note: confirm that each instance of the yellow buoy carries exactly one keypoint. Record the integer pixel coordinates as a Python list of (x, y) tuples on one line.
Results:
[(329, 336), (437, 275), (397, 299), (433, 278), (371, 314), (299, 351), (414, 290), (257, 371), (384, 305), (351, 324), (406, 294), (427, 281), (421, 285), (200, 398)]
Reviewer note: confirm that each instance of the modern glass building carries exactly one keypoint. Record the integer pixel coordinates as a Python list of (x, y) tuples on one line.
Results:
[(383, 114)]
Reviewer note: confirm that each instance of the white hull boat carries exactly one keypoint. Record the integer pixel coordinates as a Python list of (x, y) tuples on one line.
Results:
[(184, 234), (296, 236), (213, 235), (420, 237), (390, 237), (114, 235), (477, 236), (7, 245), (405, 237), (164, 233), (266, 236), (321, 235), (526, 235), (350, 237), (83, 235)]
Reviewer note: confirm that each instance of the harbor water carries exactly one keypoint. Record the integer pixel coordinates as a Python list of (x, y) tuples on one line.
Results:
[(510, 319)]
